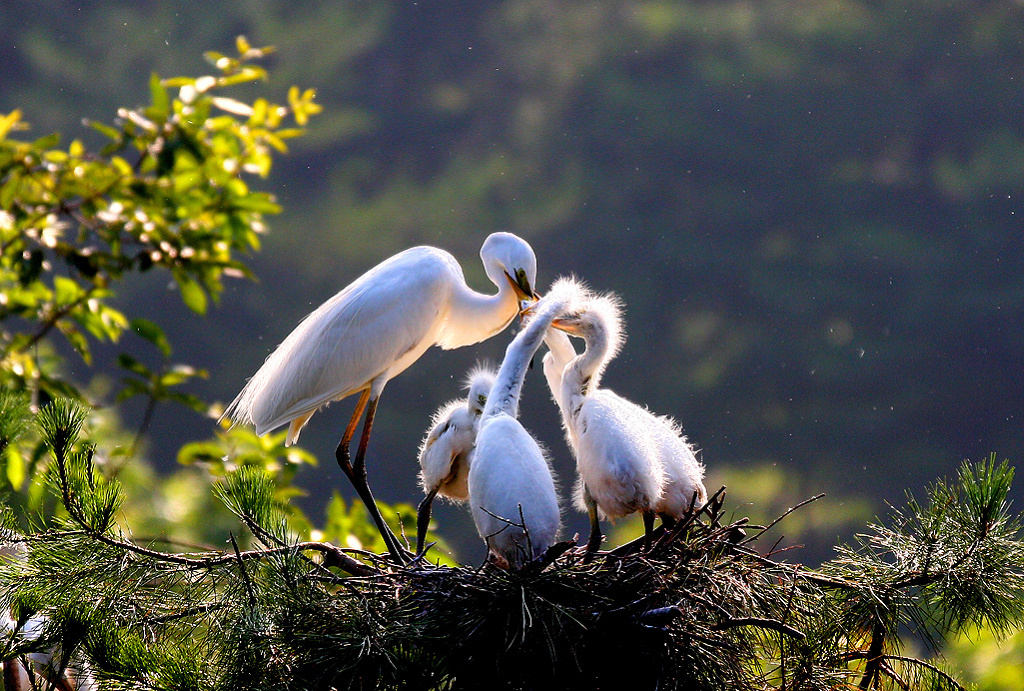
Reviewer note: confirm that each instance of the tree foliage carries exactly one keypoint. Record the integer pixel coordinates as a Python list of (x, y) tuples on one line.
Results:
[(168, 192)]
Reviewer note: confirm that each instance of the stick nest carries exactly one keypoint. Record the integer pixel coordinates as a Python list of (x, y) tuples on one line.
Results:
[(683, 613)]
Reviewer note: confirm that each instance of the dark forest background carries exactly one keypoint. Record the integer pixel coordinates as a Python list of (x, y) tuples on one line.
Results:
[(811, 209)]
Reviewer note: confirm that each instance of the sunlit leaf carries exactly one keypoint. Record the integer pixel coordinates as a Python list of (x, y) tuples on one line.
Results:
[(161, 107), (152, 333), (192, 294), (8, 122), (16, 469)]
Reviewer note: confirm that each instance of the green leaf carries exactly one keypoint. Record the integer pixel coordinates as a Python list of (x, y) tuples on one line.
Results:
[(178, 374), (47, 142), (16, 470), (76, 338), (192, 294), (194, 402), (14, 415), (8, 122), (200, 452), (248, 73), (152, 333), (66, 291), (261, 202), (10, 189), (161, 107), (101, 321), (132, 387), (105, 130), (126, 361)]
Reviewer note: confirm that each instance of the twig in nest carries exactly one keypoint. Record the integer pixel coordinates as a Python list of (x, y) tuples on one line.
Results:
[(713, 508), (773, 624), (335, 557), (633, 545), (543, 561), (788, 511)]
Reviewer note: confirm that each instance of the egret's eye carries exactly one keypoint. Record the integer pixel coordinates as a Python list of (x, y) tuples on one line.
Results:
[(481, 400)]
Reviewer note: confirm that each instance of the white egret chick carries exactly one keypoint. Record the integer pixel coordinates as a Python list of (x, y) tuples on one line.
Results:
[(372, 331), (560, 353), (628, 458), (684, 474), (511, 490), (447, 449)]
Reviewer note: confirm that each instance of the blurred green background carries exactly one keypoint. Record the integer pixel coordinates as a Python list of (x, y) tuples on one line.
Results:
[(811, 209)]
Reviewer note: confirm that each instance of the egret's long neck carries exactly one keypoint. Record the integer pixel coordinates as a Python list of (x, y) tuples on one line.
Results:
[(504, 396), (474, 317), (583, 374), (560, 354)]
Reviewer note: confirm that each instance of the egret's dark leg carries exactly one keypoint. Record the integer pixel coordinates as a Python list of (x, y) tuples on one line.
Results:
[(648, 517), (423, 520), (356, 472), (359, 468), (342, 452), (595, 526)]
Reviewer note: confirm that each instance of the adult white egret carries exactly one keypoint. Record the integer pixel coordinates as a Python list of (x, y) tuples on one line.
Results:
[(511, 489), (628, 458), (373, 330), (447, 449)]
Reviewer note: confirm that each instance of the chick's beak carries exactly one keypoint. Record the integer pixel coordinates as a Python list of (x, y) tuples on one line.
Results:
[(567, 326)]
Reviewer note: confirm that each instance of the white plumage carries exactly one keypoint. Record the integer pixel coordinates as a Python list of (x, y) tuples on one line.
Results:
[(628, 459), (560, 353), (446, 451), (373, 330), (511, 490), (684, 474)]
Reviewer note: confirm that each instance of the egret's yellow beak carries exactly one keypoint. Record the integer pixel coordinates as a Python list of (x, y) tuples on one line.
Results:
[(527, 297), (521, 285)]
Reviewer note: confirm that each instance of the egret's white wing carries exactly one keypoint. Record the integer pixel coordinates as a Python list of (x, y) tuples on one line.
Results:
[(379, 324), (683, 472), (616, 457), (452, 434)]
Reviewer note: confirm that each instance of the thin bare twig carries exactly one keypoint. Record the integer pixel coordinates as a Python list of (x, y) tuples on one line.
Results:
[(785, 513), (772, 624)]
